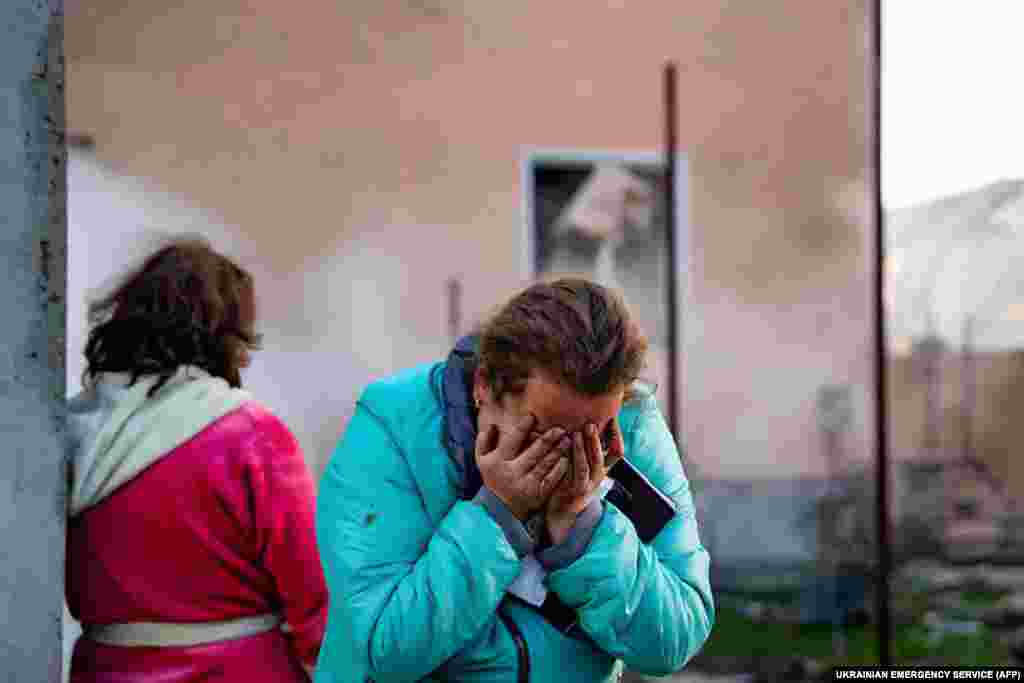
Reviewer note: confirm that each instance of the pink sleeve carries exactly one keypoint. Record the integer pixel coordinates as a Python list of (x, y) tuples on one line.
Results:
[(283, 507)]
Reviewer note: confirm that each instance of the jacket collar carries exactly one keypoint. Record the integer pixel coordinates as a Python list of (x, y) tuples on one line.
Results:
[(460, 413)]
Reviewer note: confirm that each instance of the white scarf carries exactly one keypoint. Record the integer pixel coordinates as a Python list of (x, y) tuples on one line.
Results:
[(116, 431)]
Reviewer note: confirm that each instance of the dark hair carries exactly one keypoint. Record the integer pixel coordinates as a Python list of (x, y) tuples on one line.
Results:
[(186, 305), (574, 330)]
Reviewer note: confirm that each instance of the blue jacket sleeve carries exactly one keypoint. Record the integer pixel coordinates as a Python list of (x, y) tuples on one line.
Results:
[(404, 595), (649, 604)]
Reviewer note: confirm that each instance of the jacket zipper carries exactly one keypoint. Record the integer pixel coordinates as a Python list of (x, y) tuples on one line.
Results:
[(522, 650)]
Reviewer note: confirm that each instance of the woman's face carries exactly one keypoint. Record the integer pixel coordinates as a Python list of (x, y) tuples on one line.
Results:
[(553, 404)]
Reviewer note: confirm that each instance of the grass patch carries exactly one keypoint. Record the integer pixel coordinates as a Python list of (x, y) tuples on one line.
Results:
[(769, 595), (983, 598), (735, 636)]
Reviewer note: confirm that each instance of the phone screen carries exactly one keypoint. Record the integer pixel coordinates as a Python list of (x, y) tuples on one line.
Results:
[(646, 506)]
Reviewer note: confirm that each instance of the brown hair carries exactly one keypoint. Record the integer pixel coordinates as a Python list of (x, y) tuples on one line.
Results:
[(186, 305), (574, 330)]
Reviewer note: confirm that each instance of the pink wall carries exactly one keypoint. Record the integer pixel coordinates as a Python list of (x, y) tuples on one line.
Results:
[(365, 152)]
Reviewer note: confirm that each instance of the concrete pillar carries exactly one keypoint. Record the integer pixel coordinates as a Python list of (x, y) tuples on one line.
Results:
[(32, 266)]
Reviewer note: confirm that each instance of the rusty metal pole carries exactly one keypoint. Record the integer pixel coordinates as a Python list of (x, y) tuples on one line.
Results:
[(881, 385), (968, 391), (454, 287), (672, 314)]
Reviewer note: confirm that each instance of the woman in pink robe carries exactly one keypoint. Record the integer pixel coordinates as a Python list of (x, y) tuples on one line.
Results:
[(191, 553)]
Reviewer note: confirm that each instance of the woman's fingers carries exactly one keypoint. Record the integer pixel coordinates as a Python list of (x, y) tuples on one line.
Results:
[(580, 466), (554, 476), (566, 465), (595, 456), (549, 461), (511, 445), (553, 439), (485, 441)]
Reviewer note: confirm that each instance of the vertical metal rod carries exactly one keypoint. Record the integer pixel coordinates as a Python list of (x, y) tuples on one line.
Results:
[(932, 354), (968, 393), (672, 316), (881, 385), (454, 309)]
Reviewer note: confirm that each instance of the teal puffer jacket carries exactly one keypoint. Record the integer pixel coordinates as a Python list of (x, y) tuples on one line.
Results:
[(417, 574)]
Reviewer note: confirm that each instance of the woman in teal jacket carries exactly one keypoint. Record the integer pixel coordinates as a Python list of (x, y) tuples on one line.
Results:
[(467, 528)]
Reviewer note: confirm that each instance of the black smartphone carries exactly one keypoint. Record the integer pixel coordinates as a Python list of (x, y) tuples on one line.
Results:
[(635, 496)]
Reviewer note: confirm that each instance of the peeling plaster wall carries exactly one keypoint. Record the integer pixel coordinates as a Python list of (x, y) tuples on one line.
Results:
[(32, 258)]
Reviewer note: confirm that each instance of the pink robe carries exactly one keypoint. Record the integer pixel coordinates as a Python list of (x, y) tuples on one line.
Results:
[(222, 527)]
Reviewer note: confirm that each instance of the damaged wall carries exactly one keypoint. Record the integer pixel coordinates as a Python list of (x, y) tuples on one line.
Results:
[(32, 258)]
